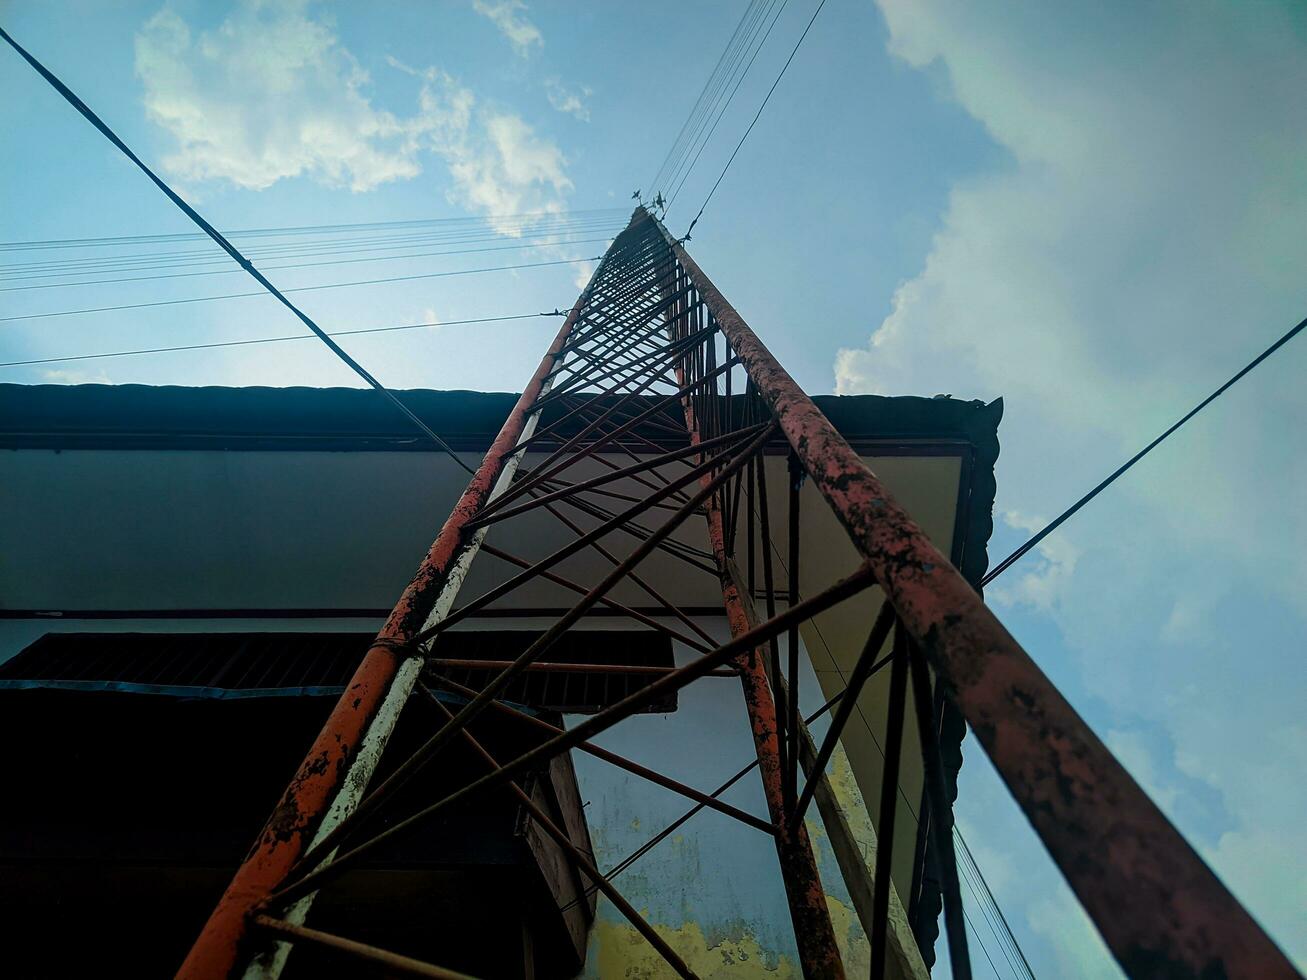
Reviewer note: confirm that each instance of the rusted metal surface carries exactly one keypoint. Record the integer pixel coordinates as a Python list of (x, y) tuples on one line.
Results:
[(496, 514), (669, 682), (581, 860), (1158, 906), (218, 950), (813, 932), (842, 590), (611, 603), (848, 848), (1161, 910), (621, 762)]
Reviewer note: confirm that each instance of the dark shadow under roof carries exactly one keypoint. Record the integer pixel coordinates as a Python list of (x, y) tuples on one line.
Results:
[(344, 419), (126, 417)]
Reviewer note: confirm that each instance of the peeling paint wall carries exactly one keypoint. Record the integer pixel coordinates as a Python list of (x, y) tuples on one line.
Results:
[(713, 888)]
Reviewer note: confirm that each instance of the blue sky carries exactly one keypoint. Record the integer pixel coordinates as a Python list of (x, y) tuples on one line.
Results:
[(1094, 213)]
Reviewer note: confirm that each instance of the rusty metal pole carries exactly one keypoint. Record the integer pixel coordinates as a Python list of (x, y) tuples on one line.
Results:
[(814, 934), (578, 857), (222, 947), (818, 950), (1159, 908)]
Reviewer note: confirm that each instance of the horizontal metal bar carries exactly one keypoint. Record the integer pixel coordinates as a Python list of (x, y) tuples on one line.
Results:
[(639, 580), (677, 549), (567, 668), (578, 857), (620, 761), (551, 485), (362, 951), (405, 771), (572, 548), (636, 614), (594, 725), (692, 450)]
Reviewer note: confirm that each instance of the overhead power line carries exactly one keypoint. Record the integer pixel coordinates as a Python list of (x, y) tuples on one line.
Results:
[(784, 68), (175, 256), (1057, 522), (726, 78), (273, 340), (228, 247), (280, 293), (302, 265), (1011, 949), (288, 230), (703, 143), (701, 100)]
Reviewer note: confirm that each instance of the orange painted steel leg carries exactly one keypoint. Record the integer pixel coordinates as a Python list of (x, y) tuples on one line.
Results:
[(220, 949)]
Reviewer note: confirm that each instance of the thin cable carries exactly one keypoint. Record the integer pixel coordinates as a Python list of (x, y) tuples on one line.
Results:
[(301, 265), (288, 230), (273, 340), (756, 116), (723, 85), (965, 876), (300, 248), (740, 40), (993, 902), (280, 295), (228, 247), (980, 942), (213, 257), (726, 84), (677, 143), (1053, 525), (721, 114)]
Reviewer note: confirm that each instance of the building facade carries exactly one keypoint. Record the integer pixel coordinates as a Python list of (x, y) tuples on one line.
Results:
[(189, 576)]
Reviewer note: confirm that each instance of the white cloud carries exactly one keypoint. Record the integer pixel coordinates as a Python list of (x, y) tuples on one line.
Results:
[(66, 376), (583, 270), (1257, 763), (1137, 245), (508, 16), (499, 164), (271, 94), (570, 101), (505, 171), (1045, 578), (1080, 952)]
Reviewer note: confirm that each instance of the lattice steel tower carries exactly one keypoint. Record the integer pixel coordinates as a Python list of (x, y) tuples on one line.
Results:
[(652, 342)]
